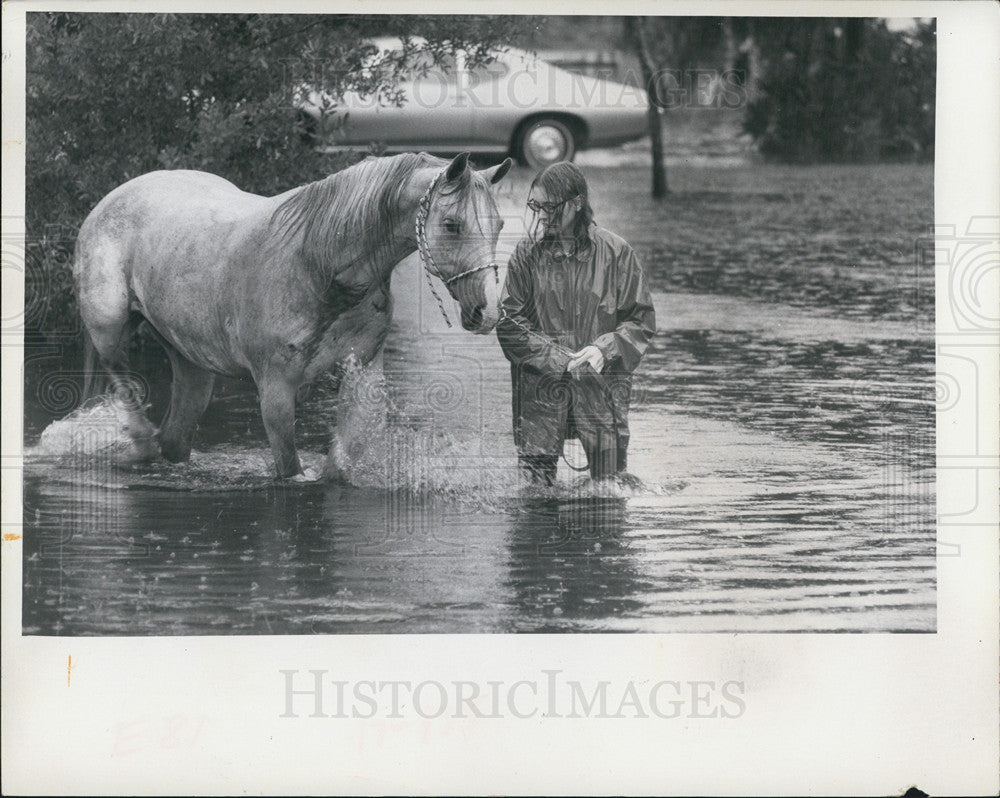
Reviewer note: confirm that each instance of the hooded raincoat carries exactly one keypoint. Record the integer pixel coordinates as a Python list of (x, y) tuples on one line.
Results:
[(599, 297)]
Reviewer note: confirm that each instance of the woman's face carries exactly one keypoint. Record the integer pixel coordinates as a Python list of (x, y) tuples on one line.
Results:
[(554, 216)]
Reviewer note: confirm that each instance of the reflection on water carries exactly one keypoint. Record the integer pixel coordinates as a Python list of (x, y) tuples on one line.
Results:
[(570, 564), (784, 437)]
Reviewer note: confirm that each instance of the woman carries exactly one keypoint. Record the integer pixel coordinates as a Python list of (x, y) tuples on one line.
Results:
[(576, 318)]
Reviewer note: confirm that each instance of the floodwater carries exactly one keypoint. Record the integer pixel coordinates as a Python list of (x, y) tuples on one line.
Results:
[(782, 430)]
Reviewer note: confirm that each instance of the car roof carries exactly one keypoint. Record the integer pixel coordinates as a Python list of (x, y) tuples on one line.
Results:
[(386, 44)]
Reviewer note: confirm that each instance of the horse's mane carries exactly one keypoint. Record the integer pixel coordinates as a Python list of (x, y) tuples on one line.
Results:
[(359, 204)]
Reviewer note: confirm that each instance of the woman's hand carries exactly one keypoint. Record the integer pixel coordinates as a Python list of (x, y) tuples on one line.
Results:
[(588, 356)]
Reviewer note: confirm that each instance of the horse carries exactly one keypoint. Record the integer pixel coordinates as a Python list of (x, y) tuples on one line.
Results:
[(283, 288)]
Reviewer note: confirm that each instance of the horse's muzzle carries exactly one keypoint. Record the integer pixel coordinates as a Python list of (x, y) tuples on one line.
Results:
[(482, 318), (478, 294), (473, 320)]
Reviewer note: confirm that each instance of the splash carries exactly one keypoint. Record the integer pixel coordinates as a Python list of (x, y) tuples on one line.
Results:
[(621, 486), (100, 429), (93, 446), (375, 446), (381, 441)]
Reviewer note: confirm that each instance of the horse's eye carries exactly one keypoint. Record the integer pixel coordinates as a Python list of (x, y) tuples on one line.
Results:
[(451, 226)]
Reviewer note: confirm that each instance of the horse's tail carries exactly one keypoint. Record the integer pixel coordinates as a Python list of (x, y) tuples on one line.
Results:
[(94, 378)]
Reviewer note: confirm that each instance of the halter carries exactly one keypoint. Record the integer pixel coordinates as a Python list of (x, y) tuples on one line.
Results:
[(425, 253)]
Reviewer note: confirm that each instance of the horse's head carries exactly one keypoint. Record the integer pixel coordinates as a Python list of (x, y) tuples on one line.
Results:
[(459, 223)]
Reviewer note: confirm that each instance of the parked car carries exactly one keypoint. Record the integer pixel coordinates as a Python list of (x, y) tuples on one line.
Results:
[(514, 104)]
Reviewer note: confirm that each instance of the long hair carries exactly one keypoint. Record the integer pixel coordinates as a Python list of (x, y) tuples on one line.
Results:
[(359, 204), (564, 181)]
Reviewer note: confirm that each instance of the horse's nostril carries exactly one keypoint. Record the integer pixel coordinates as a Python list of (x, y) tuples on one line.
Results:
[(472, 319)]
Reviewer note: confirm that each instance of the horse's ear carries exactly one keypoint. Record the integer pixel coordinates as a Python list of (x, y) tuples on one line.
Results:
[(496, 173), (457, 167)]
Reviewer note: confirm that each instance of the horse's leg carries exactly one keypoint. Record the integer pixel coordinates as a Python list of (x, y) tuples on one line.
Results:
[(104, 308), (190, 393), (129, 392), (277, 406)]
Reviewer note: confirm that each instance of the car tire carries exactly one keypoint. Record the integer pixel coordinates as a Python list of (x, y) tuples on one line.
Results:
[(545, 141)]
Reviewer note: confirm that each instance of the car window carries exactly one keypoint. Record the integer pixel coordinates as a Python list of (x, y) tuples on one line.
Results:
[(443, 72), (492, 70)]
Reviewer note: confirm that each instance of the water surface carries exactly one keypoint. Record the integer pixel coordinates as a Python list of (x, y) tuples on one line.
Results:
[(782, 428)]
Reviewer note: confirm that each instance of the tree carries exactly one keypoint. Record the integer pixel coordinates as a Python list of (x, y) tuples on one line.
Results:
[(668, 49), (637, 34), (111, 96), (843, 90)]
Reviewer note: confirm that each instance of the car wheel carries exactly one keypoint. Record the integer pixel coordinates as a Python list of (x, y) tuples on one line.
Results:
[(544, 142)]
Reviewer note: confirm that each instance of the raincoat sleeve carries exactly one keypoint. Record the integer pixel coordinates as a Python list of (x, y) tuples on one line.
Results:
[(520, 348), (624, 347)]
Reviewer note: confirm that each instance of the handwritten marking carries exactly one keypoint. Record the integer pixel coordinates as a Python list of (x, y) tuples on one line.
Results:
[(9, 537), (69, 668), (171, 732)]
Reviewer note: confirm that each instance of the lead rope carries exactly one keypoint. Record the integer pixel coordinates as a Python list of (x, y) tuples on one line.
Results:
[(423, 210), (564, 351)]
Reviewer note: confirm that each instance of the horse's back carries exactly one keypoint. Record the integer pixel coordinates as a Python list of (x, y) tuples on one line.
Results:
[(172, 245), (184, 180), (165, 193), (170, 205)]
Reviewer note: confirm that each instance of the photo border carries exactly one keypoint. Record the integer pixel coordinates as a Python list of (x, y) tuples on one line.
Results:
[(824, 713)]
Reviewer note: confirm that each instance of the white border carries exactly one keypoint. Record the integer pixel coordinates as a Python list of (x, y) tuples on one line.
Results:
[(843, 714)]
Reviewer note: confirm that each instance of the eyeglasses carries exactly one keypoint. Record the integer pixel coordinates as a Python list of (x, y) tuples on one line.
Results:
[(549, 208)]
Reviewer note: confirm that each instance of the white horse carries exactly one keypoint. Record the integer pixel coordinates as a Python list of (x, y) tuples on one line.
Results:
[(284, 288)]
